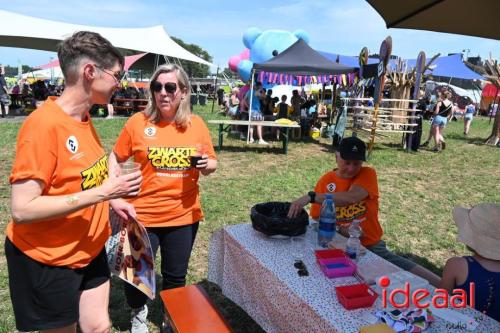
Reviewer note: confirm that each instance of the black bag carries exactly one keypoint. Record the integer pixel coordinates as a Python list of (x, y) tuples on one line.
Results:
[(271, 219)]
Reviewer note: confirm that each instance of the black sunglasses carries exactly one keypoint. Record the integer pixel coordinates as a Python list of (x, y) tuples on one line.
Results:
[(302, 269), (170, 87)]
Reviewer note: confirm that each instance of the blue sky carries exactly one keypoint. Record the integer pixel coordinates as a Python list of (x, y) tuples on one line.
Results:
[(335, 26)]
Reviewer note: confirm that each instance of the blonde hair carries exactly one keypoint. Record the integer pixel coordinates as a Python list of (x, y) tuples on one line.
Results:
[(183, 112), (446, 94)]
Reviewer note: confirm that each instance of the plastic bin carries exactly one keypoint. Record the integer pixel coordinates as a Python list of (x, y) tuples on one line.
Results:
[(356, 296), (337, 267), (202, 99), (194, 99), (330, 253)]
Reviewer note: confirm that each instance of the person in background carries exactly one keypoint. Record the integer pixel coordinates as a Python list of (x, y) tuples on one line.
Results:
[(58, 268), (478, 228), (162, 139), (470, 110), (256, 114), (4, 94), (234, 102), (442, 114), (355, 193), (296, 102), (283, 108)]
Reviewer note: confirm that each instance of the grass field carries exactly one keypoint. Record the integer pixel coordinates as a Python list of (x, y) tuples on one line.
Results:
[(417, 194)]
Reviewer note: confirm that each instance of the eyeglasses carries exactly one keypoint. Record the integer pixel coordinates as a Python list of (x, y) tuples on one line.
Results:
[(170, 87), (118, 75), (302, 269)]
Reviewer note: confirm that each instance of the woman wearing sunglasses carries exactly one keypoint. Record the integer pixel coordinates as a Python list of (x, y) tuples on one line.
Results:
[(162, 139)]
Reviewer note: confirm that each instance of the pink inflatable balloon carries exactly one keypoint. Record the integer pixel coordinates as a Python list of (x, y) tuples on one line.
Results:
[(245, 55), (233, 63)]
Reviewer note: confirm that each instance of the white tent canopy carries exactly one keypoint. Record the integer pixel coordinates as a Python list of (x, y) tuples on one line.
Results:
[(23, 31), (48, 73)]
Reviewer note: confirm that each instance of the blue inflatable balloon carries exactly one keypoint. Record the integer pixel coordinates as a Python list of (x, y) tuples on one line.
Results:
[(264, 45)]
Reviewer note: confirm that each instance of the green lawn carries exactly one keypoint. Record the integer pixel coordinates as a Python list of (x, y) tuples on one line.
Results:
[(417, 194)]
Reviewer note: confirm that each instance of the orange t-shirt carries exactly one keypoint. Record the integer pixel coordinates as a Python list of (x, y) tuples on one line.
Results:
[(169, 193), (67, 156), (367, 208)]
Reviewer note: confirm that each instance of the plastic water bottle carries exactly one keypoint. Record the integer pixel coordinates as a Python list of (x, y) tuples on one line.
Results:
[(353, 243), (327, 221)]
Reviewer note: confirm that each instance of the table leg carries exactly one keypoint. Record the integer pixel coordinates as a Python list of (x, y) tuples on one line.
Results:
[(285, 141), (221, 136)]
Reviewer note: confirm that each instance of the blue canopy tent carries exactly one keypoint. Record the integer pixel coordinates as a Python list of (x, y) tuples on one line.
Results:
[(350, 61), (450, 66)]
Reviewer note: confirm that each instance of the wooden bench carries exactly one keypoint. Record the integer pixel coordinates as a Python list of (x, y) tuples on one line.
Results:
[(190, 310), (225, 126)]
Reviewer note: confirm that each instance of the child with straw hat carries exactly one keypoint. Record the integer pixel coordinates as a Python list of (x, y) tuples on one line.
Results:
[(479, 229)]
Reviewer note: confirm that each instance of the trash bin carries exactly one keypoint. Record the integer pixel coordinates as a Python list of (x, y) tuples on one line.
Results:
[(194, 99), (202, 99), (271, 219)]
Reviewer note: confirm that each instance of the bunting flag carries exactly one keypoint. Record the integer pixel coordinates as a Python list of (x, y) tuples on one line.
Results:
[(299, 80)]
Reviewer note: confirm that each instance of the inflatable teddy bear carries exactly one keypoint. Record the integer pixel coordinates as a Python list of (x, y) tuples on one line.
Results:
[(262, 46)]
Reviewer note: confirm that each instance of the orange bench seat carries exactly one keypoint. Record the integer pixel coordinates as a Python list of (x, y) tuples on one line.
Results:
[(190, 310)]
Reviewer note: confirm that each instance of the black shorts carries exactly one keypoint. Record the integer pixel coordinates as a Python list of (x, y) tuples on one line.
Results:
[(45, 297)]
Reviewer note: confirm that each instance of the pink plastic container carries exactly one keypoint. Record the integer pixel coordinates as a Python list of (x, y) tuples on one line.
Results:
[(337, 267)]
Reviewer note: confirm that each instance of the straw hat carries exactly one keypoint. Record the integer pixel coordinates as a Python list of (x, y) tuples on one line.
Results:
[(479, 228)]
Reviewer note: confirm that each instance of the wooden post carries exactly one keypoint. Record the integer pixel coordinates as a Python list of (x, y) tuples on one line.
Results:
[(215, 88), (420, 65), (384, 55)]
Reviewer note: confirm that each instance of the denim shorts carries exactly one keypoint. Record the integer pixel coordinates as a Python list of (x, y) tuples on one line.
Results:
[(468, 116), (257, 116), (440, 121)]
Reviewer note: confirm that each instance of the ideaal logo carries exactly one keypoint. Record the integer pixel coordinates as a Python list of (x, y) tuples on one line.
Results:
[(173, 158), (439, 300), (96, 174)]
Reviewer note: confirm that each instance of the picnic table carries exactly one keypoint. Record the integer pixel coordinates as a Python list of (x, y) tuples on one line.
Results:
[(225, 126), (257, 273), (129, 105)]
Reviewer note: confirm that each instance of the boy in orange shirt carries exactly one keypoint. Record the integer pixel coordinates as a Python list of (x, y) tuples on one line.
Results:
[(355, 194), (58, 270)]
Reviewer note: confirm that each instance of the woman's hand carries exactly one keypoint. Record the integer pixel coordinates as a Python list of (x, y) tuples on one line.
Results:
[(202, 163), (297, 205), (206, 165), (123, 208), (118, 186)]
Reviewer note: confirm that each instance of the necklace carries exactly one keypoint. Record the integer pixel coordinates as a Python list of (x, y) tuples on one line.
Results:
[(489, 300)]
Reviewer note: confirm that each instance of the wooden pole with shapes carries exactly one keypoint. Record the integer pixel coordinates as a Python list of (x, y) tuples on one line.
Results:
[(420, 65), (384, 55)]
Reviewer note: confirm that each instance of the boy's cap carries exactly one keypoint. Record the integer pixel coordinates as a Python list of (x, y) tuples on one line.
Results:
[(352, 148)]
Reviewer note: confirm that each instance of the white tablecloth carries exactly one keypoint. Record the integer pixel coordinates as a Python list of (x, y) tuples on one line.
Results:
[(257, 273)]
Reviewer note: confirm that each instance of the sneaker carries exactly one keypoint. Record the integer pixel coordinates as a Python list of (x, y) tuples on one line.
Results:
[(436, 149), (262, 142), (252, 140), (138, 322), (166, 327)]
